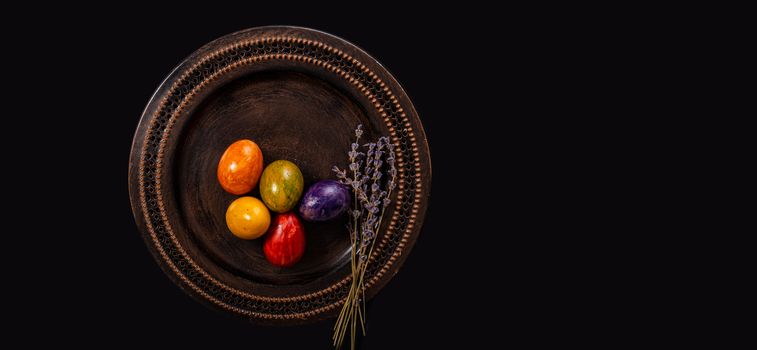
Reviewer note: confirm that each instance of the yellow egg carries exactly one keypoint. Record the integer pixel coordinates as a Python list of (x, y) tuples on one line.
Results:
[(247, 218)]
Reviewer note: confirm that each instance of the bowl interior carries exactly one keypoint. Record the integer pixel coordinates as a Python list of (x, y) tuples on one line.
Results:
[(291, 116)]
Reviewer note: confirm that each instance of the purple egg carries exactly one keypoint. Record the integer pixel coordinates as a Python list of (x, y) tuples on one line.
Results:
[(324, 200)]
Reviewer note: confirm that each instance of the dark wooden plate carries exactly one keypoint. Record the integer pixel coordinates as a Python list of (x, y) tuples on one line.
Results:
[(299, 94)]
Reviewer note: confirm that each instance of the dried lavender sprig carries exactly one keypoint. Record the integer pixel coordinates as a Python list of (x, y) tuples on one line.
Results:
[(357, 183), (372, 191)]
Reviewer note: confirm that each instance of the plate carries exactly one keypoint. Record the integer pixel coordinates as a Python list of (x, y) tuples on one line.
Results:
[(298, 93)]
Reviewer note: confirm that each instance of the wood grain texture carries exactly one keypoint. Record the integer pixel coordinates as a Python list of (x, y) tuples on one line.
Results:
[(298, 94)]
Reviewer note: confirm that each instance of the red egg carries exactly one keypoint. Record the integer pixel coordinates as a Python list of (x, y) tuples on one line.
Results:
[(285, 241)]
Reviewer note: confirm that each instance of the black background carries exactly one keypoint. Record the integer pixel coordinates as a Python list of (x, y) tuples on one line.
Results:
[(559, 137), (482, 269)]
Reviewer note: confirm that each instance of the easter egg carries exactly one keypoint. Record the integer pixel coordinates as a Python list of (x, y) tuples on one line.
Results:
[(324, 200), (281, 185), (285, 242), (240, 167), (247, 218)]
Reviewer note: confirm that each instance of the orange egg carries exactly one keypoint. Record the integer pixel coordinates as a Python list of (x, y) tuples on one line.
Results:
[(240, 167)]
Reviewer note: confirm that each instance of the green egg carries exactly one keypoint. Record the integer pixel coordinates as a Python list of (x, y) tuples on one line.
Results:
[(281, 185)]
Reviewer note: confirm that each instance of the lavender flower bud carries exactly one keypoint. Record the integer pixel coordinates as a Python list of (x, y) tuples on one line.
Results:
[(375, 187), (359, 131), (370, 151)]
